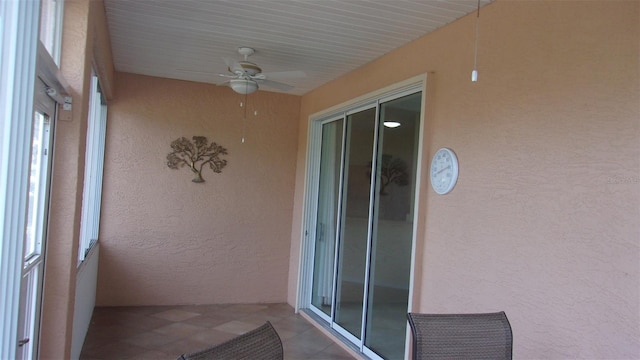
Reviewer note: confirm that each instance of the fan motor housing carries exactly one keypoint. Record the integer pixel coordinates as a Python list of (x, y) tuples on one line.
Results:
[(248, 68)]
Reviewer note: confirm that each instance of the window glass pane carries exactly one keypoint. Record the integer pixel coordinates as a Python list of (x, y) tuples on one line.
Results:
[(30, 312), (354, 228), (328, 194), (4, 53), (50, 26), (94, 159), (37, 185), (393, 227)]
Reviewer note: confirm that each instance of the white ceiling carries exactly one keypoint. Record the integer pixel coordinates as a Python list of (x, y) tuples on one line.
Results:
[(188, 39)]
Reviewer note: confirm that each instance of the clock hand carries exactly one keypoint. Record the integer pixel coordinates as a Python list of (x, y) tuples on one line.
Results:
[(443, 169)]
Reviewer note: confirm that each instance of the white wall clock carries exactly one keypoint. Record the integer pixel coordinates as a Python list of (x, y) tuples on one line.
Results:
[(444, 171)]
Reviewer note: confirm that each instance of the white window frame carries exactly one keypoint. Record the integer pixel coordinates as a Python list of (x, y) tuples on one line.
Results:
[(19, 23), (93, 170)]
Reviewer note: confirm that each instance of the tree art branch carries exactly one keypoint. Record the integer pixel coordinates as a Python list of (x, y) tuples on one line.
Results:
[(392, 171), (196, 155)]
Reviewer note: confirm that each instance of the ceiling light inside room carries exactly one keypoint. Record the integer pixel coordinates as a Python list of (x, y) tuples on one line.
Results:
[(243, 86), (391, 124)]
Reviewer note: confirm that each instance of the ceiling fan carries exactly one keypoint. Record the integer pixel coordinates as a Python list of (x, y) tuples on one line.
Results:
[(246, 77)]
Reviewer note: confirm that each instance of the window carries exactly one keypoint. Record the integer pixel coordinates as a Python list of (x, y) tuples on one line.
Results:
[(27, 115), (35, 235), (18, 52), (51, 12), (38, 183), (94, 161)]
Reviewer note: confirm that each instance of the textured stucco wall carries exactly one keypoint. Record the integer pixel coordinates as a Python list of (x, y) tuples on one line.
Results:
[(544, 222), (83, 46), (167, 240)]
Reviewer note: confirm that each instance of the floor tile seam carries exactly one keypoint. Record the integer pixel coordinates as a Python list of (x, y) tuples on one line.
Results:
[(130, 339), (179, 337), (118, 345), (155, 346), (137, 325)]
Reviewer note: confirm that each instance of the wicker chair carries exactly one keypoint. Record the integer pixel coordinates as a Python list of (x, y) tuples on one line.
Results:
[(461, 336), (262, 343)]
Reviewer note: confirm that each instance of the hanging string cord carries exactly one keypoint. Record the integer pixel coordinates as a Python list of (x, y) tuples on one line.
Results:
[(474, 73), (244, 118)]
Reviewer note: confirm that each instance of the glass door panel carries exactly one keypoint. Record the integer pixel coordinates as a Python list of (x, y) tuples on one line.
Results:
[(354, 229), (327, 216), (392, 234)]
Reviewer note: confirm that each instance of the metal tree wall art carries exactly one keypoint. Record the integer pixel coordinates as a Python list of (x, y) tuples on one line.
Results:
[(196, 155), (392, 171)]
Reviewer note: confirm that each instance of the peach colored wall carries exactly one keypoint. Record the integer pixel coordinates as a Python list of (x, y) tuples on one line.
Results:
[(544, 221), (83, 23), (166, 240)]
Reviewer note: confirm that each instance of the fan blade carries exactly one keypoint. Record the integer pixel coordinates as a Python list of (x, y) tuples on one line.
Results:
[(206, 76), (234, 66), (274, 84), (285, 74)]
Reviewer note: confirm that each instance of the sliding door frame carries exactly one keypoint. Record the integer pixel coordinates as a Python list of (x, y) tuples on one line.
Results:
[(308, 235)]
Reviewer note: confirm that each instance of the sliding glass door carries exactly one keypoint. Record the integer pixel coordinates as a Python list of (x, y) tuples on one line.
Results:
[(364, 191)]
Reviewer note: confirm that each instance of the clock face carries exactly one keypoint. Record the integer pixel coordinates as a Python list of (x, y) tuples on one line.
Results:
[(444, 171)]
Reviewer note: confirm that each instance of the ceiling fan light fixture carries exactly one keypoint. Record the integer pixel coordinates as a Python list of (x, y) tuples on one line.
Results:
[(243, 86)]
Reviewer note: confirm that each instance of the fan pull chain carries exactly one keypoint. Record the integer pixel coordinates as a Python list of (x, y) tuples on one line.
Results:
[(474, 73), (243, 104), (244, 120)]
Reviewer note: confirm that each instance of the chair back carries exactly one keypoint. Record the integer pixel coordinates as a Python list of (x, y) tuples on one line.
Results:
[(461, 336), (262, 343)]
